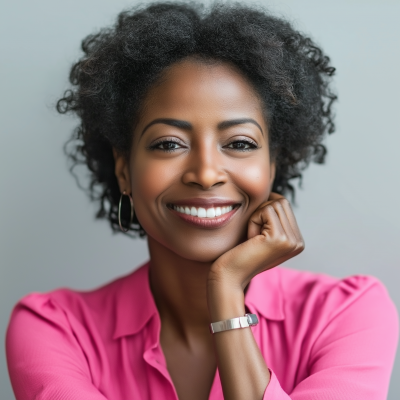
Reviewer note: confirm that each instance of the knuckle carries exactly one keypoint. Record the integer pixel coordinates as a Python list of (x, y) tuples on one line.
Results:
[(292, 245), (264, 237), (284, 202), (282, 240), (269, 208), (286, 244)]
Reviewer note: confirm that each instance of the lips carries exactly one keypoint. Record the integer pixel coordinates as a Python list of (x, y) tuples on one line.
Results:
[(205, 213), (201, 212)]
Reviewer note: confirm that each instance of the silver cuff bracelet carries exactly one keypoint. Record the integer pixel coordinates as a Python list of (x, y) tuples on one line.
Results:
[(234, 323)]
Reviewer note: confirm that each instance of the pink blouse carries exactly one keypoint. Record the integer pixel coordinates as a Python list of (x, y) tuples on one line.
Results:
[(321, 337)]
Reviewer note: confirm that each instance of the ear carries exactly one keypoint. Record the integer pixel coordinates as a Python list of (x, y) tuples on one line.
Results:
[(122, 172)]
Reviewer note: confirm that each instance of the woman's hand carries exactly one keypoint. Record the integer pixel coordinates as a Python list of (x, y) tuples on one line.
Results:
[(273, 237)]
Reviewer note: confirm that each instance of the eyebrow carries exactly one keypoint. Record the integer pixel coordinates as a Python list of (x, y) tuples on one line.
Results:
[(240, 121), (169, 121), (187, 125)]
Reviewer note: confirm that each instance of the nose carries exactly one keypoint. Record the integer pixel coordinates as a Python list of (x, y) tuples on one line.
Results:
[(205, 167)]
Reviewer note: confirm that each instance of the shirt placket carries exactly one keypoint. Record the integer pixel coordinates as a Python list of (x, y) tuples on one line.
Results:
[(161, 385)]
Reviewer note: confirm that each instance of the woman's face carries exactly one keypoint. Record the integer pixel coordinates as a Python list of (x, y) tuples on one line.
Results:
[(200, 163)]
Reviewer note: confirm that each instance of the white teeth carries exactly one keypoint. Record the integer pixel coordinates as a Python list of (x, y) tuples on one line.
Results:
[(202, 212), (211, 213)]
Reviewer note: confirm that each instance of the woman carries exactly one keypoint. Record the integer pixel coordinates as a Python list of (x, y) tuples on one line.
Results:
[(193, 125)]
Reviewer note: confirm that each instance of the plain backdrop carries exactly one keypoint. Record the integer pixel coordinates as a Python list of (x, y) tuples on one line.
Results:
[(348, 209)]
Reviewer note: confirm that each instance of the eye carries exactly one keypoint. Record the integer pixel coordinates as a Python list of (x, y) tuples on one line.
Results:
[(242, 145), (166, 145)]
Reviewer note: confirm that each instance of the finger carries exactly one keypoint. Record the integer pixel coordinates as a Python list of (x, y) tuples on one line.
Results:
[(289, 212), (284, 220), (275, 196), (264, 221), (271, 237), (292, 220), (272, 197), (256, 222)]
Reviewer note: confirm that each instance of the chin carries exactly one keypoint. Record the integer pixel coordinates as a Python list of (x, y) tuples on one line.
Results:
[(201, 256), (204, 247), (206, 251)]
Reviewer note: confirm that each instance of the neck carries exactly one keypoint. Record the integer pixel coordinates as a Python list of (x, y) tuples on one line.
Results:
[(179, 287)]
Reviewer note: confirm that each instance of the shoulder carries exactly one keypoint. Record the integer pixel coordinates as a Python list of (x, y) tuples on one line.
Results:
[(315, 300), (59, 341), (73, 308), (327, 309), (327, 316), (334, 295)]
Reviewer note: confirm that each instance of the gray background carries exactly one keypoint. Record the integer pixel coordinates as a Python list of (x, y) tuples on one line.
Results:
[(348, 209)]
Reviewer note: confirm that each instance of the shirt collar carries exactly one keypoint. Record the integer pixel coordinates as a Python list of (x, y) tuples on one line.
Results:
[(135, 306)]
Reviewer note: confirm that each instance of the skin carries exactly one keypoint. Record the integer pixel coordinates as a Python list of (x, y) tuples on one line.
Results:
[(199, 275)]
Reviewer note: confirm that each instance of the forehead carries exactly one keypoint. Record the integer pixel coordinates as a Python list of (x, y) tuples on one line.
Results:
[(194, 88)]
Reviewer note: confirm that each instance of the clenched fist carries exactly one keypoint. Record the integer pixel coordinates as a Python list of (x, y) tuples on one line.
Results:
[(273, 237)]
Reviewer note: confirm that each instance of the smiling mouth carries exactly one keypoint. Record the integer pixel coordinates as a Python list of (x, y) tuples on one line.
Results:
[(207, 218), (201, 212)]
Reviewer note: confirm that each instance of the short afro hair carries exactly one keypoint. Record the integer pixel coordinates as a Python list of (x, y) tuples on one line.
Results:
[(290, 73)]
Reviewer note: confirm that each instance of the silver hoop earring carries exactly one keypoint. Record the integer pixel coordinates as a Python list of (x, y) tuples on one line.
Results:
[(119, 211)]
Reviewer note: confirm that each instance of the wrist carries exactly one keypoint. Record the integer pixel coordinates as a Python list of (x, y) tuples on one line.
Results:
[(228, 276), (225, 301)]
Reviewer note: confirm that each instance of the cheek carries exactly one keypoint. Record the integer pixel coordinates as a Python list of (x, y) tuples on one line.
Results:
[(150, 179), (254, 179)]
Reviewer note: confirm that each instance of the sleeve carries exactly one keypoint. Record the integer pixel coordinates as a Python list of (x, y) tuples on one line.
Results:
[(353, 355), (45, 361)]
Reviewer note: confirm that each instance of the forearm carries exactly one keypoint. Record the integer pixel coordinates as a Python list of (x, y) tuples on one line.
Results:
[(243, 371), (273, 237)]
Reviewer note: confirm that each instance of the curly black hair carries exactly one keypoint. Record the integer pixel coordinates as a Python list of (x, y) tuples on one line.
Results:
[(290, 73)]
